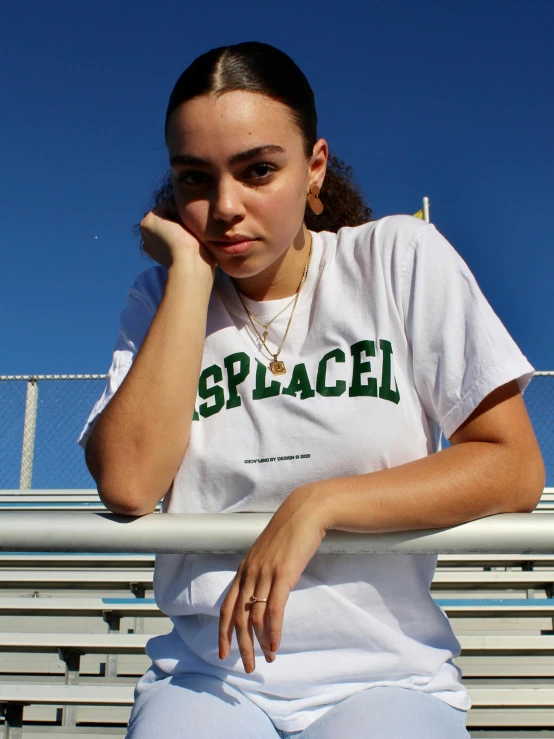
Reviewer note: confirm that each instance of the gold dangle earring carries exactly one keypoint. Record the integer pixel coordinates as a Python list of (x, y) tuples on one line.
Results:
[(313, 200)]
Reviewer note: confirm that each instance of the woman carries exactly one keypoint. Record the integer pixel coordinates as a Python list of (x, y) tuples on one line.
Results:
[(309, 376)]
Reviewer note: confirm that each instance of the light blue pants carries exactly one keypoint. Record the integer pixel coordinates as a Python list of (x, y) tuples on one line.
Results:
[(195, 706)]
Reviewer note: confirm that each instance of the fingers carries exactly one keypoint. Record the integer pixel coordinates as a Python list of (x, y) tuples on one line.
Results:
[(243, 614), (260, 615), (264, 620), (275, 613), (167, 209), (244, 631), (258, 618), (227, 619)]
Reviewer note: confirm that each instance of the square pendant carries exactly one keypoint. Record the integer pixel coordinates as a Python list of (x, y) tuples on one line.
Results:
[(278, 368)]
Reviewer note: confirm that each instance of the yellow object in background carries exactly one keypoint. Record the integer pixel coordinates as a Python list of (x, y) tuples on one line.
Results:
[(419, 214)]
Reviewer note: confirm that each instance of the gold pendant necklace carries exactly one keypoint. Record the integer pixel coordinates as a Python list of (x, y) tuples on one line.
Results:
[(277, 366)]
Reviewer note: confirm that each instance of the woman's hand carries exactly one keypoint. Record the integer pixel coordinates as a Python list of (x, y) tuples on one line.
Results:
[(166, 239), (270, 570)]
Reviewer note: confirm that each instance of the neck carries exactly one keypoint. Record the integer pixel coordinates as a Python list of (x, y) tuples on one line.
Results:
[(282, 278)]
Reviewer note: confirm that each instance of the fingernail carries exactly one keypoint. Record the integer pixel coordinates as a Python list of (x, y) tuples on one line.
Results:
[(248, 667), (268, 658), (273, 647)]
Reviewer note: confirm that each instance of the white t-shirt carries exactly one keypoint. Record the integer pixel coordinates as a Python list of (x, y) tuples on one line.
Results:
[(392, 340)]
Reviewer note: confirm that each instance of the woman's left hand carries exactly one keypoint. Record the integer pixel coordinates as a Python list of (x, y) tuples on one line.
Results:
[(270, 570)]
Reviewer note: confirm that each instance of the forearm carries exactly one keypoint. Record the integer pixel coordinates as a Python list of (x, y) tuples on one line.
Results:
[(458, 484), (139, 440)]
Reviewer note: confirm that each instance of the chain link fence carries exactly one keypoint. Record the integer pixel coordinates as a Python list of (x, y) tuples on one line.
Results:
[(42, 416), (539, 399), (40, 420)]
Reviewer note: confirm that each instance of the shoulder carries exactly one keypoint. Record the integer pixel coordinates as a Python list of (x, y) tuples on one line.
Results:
[(398, 233), (391, 241), (149, 286)]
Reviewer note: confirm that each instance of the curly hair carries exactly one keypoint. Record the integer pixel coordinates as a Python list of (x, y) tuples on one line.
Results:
[(262, 68)]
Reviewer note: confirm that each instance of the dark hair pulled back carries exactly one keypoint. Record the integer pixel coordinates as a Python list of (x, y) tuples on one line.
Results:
[(262, 68)]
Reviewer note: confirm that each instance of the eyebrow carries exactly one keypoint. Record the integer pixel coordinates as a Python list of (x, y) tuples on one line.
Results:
[(242, 156)]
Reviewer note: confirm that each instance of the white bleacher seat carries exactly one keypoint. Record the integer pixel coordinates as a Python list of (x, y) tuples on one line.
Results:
[(135, 643), (490, 703), (120, 560), (11, 577), (84, 643), (79, 577), (68, 559), (481, 607), (79, 606)]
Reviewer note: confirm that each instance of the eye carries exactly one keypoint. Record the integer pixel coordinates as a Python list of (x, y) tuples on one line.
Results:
[(257, 172), (265, 169), (185, 177)]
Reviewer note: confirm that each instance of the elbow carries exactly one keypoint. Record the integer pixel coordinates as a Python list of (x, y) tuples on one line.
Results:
[(125, 502), (530, 483), (131, 512), (121, 492), (128, 496), (530, 500)]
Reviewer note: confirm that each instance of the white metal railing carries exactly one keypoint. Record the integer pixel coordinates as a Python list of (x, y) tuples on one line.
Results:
[(85, 531)]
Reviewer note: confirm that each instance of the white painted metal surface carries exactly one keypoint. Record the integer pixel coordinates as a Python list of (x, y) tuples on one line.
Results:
[(87, 643), (135, 643), (86, 531), (113, 695), (29, 431), (48, 606)]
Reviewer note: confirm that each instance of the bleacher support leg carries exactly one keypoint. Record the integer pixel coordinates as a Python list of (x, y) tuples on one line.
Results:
[(139, 592), (72, 659), (111, 665), (13, 728), (113, 619)]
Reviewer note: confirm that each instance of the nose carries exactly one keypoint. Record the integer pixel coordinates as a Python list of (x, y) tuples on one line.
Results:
[(227, 201)]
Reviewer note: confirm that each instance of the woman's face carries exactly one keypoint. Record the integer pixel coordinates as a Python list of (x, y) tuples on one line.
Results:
[(239, 172)]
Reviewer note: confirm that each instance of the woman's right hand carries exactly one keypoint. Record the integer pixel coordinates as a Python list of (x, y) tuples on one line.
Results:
[(167, 240)]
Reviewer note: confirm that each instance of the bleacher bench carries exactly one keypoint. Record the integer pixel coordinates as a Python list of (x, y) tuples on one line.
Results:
[(120, 560), (498, 706), (138, 581), (459, 607)]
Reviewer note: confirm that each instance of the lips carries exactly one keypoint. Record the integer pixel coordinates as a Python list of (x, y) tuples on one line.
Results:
[(236, 239), (239, 245)]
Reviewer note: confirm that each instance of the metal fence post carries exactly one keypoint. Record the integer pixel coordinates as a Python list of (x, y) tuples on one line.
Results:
[(29, 429)]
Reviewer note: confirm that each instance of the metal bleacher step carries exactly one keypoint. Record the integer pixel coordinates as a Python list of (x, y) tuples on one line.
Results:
[(119, 560), (69, 732), (511, 734), (493, 706), (491, 644)]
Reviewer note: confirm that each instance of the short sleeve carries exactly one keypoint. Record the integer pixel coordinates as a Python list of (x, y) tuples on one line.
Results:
[(461, 350), (143, 299)]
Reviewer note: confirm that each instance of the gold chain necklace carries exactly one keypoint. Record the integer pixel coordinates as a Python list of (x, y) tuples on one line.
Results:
[(265, 326), (276, 366)]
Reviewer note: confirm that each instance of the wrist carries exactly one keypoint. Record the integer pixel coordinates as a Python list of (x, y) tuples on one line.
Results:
[(331, 500), (194, 269), (312, 503)]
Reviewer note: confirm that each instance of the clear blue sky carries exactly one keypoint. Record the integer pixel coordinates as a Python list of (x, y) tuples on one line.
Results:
[(450, 100)]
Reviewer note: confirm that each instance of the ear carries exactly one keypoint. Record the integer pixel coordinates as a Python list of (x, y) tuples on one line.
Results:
[(318, 163)]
